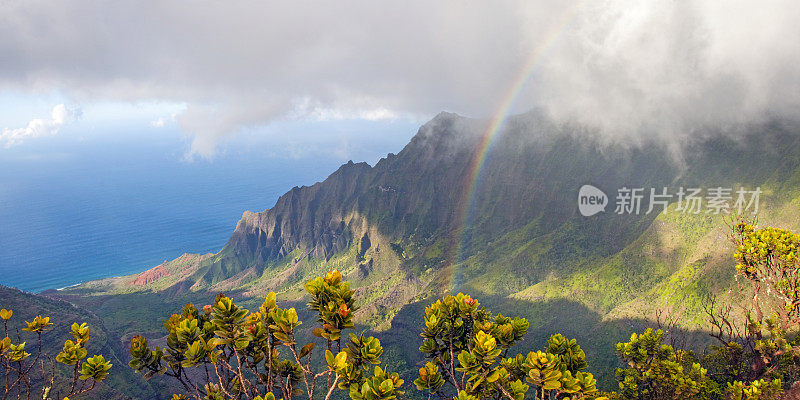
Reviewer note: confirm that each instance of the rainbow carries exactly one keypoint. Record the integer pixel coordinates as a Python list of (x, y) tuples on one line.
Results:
[(491, 130)]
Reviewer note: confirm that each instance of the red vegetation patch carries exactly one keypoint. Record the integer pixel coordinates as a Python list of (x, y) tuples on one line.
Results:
[(151, 275)]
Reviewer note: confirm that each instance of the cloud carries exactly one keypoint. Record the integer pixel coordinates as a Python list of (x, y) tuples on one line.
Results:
[(158, 122), (627, 67), (39, 127), (671, 69), (377, 114), (209, 123)]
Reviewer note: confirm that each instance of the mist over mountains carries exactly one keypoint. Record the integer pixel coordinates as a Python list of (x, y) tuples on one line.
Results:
[(534, 168), (627, 68)]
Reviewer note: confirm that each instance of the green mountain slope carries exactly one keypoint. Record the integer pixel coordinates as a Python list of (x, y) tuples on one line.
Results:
[(413, 227), (122, 382)]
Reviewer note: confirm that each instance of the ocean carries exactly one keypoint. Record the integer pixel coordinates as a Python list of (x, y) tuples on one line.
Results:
[(111, 205)]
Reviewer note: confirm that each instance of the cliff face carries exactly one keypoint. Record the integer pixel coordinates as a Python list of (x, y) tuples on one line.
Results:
[(423, 195), (413, 192), (310, 216), (421, 204)]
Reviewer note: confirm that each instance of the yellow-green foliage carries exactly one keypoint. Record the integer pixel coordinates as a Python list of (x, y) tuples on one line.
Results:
[(754, 359), (27, 374), (255, 355), (756, 390), (770, 259), (466, 347), (762, 250), (656, 371)]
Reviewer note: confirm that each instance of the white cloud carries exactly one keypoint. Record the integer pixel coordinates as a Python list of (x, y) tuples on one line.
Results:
[(332, 114), (624, 66), (39, 127), (158, 122), (163, 121)]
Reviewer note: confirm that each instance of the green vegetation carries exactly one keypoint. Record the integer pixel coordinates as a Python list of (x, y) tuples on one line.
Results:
[(34, 374), (757, 357), (403, 234), (466, 348), (256, 355), (224, 351)]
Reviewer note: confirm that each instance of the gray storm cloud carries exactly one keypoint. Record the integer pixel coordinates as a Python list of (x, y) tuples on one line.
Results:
[(625, 67)]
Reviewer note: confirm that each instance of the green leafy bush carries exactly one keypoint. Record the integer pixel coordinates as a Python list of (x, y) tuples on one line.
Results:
[(466, 348), (34, 374), (239, 354), (757, 355), (656, 371)]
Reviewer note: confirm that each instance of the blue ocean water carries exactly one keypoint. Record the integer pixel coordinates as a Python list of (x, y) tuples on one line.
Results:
[(110, 205)]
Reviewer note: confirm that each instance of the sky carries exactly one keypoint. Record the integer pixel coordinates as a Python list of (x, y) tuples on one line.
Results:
[(299, 75)]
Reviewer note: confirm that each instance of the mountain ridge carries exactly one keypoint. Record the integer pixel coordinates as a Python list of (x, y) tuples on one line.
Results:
[(406, 230), (409, 201)]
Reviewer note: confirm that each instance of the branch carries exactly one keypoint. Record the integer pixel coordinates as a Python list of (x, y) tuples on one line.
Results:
[(330, 390)]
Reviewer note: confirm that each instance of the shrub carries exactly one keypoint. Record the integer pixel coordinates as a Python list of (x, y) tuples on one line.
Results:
[(227, 352), (35, 374), (757, 356), (466, 349), (655, 371)]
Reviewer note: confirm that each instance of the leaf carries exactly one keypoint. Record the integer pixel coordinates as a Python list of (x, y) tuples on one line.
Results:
[(477, 383), (329, 358), (214, 342), (241, 344), (306, 349), (340, 360), (551, 385), (280, 336)]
